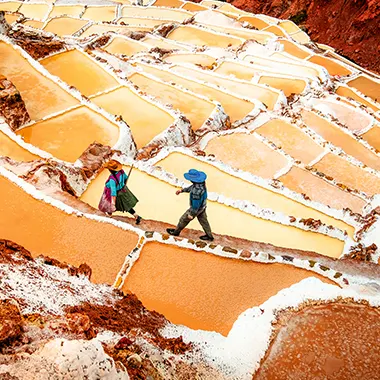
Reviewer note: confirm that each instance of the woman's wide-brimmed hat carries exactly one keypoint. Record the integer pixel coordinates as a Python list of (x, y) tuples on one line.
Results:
[(195, 176), (113, 165)]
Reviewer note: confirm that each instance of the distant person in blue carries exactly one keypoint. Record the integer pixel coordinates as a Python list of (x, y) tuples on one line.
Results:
[(198, 204)]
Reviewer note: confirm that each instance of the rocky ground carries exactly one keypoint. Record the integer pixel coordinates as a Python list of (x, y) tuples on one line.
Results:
[(351, 27), (55, 323)]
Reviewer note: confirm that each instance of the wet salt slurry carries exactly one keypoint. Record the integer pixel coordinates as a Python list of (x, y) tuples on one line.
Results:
[(288, 134)]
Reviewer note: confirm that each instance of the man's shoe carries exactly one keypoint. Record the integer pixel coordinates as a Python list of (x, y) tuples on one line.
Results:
[(171, 231), (206, 237)]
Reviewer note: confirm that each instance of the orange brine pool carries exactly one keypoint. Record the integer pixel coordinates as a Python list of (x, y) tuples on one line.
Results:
[(348, 174), (245, 89), (79, 70), (144, 125), (41, 95), (196, 289), (291, 139), (65, 237), (235, 107), (200, 37), (10, 148), (67, 136), (304, 182), (197, 110), (246, 152), (339, 138)]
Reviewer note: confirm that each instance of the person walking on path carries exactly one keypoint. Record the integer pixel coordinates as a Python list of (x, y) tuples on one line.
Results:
[(198, 204), (116, 195)]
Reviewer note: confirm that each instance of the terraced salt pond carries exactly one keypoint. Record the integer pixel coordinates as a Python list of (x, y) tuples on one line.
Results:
[(288, 85), (126, 46), (294, 49), (333, 67), (254, 21), (205, 285), (291, 139), (70, 10), (249, 154), (149, 22), (79, 70), (304, 182), (67, 238), (196, 109), (239, 189), (144, 125), (366, 86), (193, 7), (223, 219), (287, 68), (9, 148), (162, 13), (350, 175), (10, 6), (102, 13), (162, 43), (245, 34), (349, 93), (67, 135), (339, 138), (236, 108), (373, 137), (34, 11), (196, 59), (245, 89), (200, 37), (64, 26), (120, 29), (42, 96), (355, 120)]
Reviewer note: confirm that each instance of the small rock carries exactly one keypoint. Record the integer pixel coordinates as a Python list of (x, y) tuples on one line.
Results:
[(230, 250)]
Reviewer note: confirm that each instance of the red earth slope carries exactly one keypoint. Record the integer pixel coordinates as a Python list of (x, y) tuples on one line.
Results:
[(352, 27)]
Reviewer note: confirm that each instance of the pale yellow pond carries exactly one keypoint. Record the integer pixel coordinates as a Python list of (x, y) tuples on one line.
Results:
[(232, 187), (197, 110), (41, 95), (79, 70), (224, 220), (68, 135), (145, 119)]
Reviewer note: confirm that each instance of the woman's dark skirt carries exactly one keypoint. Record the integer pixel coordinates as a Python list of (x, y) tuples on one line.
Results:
[(125, 200)]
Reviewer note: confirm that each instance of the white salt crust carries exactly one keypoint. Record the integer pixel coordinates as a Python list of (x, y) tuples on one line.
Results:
[(66, 359)]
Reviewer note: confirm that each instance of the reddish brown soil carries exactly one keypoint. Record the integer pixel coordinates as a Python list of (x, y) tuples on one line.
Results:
[(351, 27), (37, 44), (333, 341), (128, 314), (12, 107)]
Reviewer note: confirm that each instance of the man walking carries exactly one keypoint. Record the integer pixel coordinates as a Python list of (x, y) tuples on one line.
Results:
[(198, 203)]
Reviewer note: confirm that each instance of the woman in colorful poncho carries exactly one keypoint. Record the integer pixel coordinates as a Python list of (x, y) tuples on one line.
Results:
[(116, 195)]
